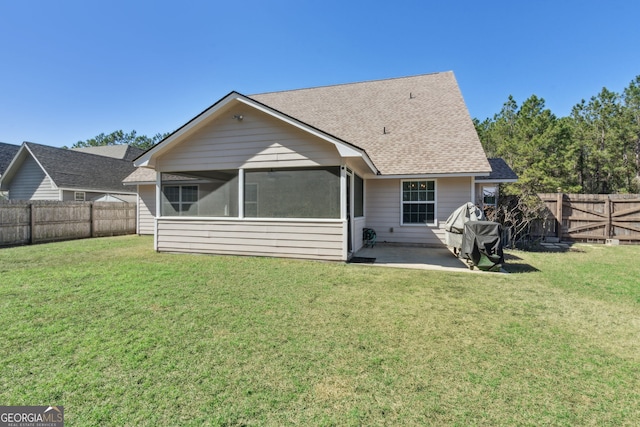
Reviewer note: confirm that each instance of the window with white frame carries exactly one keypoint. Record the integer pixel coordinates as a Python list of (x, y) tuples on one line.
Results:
[(418, 202), (489, 196), (79, 196), (180, 200)]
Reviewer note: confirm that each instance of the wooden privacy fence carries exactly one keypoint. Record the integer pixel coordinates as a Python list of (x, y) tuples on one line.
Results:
[(29, 222), (594, 217)]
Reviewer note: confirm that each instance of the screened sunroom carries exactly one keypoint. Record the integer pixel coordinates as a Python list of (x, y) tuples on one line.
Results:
[(254, 193)]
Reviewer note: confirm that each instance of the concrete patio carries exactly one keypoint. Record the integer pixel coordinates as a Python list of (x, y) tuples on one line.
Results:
[(425, 258)]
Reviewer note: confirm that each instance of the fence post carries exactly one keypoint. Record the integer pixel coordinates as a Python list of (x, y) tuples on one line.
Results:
[(560, 199), (607, 212), (91, 216), (32, 223)]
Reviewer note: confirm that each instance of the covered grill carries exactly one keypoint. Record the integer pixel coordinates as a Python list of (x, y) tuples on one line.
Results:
[(477, 241), (454, 227), (482, 245)]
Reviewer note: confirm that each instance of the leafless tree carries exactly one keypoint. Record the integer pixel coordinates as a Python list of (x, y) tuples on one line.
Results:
[(524, 217)]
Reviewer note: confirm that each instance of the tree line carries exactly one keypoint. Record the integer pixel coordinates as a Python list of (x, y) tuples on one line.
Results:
[(119, 137), (594, 150)]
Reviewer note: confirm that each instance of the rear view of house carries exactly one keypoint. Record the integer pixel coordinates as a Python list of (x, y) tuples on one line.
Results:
[(301, 173)]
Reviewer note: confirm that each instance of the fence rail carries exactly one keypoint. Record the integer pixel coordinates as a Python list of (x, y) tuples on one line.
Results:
[(30, 222), (594, 217)]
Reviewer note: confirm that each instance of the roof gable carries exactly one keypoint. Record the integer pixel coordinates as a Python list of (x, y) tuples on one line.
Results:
[(224, 105)]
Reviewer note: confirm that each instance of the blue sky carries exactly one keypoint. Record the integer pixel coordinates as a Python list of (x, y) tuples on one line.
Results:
[(70, 70)]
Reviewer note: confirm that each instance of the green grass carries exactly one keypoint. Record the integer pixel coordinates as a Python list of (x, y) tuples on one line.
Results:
[(121, 335)]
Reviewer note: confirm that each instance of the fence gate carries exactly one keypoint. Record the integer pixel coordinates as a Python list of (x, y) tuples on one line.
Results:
[(625, 219), (595, 217)]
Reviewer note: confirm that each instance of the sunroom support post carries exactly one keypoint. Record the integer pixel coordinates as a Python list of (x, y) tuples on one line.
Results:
[(240, 193), (343, 193), (158, 207), (473, 190), (343, 212)]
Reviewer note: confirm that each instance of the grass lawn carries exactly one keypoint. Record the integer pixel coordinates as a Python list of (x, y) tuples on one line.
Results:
[(121, 335)]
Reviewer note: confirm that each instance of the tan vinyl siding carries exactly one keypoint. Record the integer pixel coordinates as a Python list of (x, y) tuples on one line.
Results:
[(146, 209), (257, 141), (310, 240), (383, 210), (452, 193), (31, 183)]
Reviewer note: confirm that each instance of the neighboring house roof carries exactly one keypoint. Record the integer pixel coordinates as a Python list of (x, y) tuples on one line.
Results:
[(119, 151), (148, 176), (7, 152), (70, 169), (500, 172), (406, 126), (129, 198)]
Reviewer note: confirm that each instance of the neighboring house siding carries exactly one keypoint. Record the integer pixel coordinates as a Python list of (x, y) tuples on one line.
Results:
[(146, 209), (69, 195), (291, 239), (383, 210), (92, 196), (258, 141), (31, 183)]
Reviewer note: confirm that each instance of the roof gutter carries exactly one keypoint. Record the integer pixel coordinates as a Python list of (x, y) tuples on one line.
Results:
[(97, 190), (431, 175)]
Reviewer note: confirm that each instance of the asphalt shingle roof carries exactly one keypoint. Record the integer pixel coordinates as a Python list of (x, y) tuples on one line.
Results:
[(500, 171), (119, 151), (75, 169), (7, 152), (408, 125), (148, 176)]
